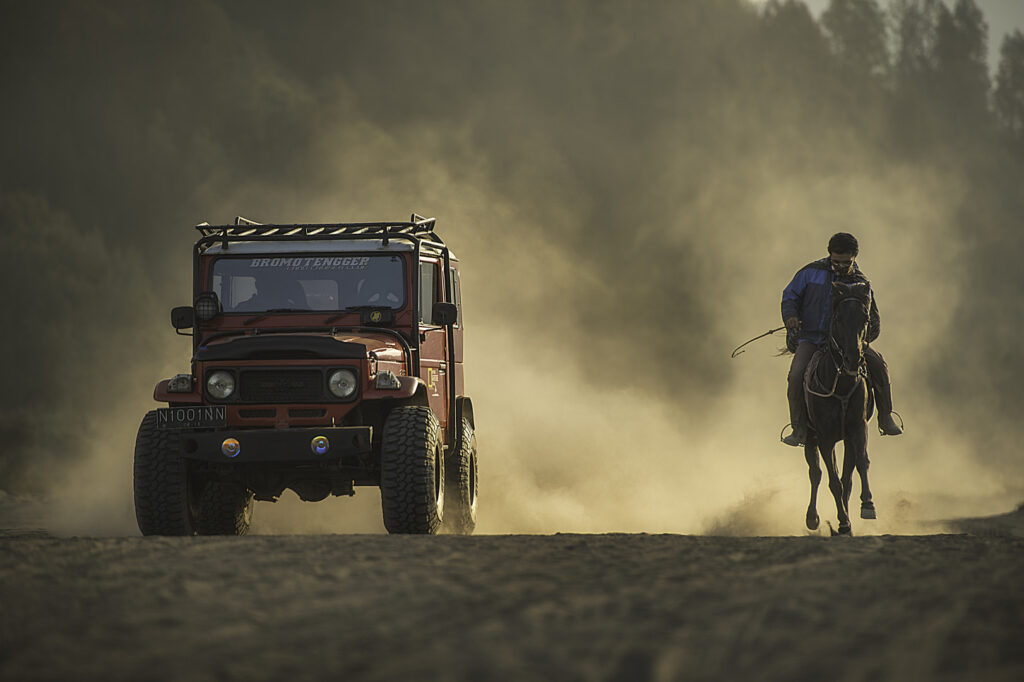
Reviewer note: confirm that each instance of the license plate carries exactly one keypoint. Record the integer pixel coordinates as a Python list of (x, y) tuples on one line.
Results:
[(191, 417)]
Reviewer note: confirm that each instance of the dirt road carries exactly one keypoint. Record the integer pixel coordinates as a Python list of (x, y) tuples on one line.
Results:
[(565, 607)]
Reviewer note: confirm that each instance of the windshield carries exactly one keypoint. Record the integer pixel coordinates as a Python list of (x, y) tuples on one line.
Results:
[(327, 282)]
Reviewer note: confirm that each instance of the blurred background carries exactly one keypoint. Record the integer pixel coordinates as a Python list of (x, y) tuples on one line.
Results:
[(629, 186)]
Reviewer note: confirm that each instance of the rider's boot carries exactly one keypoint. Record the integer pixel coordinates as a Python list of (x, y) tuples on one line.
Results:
[(887, 425), (795, 395), (878, 374), (798, 437)]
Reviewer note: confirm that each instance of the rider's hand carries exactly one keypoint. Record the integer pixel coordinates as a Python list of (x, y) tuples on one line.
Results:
[(792, 323)]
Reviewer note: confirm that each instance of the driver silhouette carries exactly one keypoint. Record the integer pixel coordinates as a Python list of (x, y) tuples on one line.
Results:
[(275, 290), (374, 292)]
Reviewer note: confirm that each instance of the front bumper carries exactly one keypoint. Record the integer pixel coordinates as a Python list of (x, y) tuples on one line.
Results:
[(283, 446)]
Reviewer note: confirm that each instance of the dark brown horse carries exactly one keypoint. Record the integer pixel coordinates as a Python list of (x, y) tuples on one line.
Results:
[(839, 404)]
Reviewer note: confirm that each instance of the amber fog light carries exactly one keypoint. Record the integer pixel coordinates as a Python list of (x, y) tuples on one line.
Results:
[(220, 384), (230, 447), (320, 445), (342, 383)]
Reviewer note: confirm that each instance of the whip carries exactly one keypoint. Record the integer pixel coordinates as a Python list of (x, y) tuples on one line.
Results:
[(770, 331)]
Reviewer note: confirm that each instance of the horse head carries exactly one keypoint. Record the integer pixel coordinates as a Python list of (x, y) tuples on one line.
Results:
[(851, 306)]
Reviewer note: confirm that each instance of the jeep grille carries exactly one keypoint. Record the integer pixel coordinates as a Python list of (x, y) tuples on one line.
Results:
[(281, 386)]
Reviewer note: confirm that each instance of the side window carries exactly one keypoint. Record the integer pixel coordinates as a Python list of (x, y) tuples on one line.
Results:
[(458, 296), (428, 292)]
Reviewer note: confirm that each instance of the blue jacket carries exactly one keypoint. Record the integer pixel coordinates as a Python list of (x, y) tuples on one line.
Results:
[(809, 298)]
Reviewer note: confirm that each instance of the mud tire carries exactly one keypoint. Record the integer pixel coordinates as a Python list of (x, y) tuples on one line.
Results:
[(461, 484), (225, 509), (412, 487), (165, 502)]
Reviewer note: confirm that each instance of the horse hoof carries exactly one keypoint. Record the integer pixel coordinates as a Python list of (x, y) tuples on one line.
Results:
[(812, 520), (867, 510), (846, 530)]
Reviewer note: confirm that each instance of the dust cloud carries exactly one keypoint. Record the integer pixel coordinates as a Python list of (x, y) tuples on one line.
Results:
[(628, 188)]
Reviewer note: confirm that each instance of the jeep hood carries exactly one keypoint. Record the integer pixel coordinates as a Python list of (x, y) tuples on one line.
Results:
[(270, 346)]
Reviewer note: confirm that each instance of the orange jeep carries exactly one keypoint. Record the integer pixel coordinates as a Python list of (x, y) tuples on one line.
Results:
[(324, 357)]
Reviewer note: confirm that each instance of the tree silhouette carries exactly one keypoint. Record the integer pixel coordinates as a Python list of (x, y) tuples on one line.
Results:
[(795, 49), (914, 27), (856, 33), (913, 119), (792, 31), (1009, 94), (962, 82)]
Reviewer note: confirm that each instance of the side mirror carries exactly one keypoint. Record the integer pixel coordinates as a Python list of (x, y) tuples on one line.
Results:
[(183, 317), (445, 314)]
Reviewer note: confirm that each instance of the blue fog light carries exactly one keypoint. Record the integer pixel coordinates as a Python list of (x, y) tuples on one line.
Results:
[(230, 447), (320, 445)]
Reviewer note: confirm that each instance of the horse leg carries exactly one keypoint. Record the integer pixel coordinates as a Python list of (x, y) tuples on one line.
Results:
[(835, 485), (855, 457), (851, 454), (814, 472), (867, 505)]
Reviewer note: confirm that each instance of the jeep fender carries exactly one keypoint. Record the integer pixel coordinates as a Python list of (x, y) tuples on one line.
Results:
[(464, 410), (413, 391)]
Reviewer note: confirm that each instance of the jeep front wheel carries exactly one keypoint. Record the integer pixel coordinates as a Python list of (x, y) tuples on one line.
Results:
[(461, 483), (165, 502), (225, 508), (412, 471)]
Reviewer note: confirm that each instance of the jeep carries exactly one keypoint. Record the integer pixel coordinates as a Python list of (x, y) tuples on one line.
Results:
[(324, 357)]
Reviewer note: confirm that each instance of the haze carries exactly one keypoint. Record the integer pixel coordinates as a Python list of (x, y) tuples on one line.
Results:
[(628, 186)]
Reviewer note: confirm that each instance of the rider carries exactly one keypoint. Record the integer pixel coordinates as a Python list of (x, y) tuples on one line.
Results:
[(806, 312)]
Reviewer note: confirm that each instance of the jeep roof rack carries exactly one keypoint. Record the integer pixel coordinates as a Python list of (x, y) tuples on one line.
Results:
[(417, 227)]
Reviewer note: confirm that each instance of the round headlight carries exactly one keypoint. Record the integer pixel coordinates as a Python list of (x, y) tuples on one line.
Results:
[(220, 384), (342, 383), (207, 306)]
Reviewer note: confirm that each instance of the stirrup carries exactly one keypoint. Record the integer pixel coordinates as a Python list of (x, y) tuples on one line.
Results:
[(791, 435), (893, 412)]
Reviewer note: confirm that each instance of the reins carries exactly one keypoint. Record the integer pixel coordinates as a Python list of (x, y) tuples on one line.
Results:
[(844, 400), (832, 393)]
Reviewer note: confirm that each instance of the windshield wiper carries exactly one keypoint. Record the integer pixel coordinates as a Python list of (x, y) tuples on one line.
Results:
[(266, 313)]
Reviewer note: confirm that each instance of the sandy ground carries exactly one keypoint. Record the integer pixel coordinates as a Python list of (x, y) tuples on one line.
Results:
[(565, 607)]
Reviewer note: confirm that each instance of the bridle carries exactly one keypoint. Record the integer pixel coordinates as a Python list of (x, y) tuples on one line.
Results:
[(835, 351)]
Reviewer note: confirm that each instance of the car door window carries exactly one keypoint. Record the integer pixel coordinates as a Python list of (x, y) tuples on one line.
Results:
[(428, 292)]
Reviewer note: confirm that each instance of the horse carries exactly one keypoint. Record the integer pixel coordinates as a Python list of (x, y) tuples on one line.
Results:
[(839, 404)]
